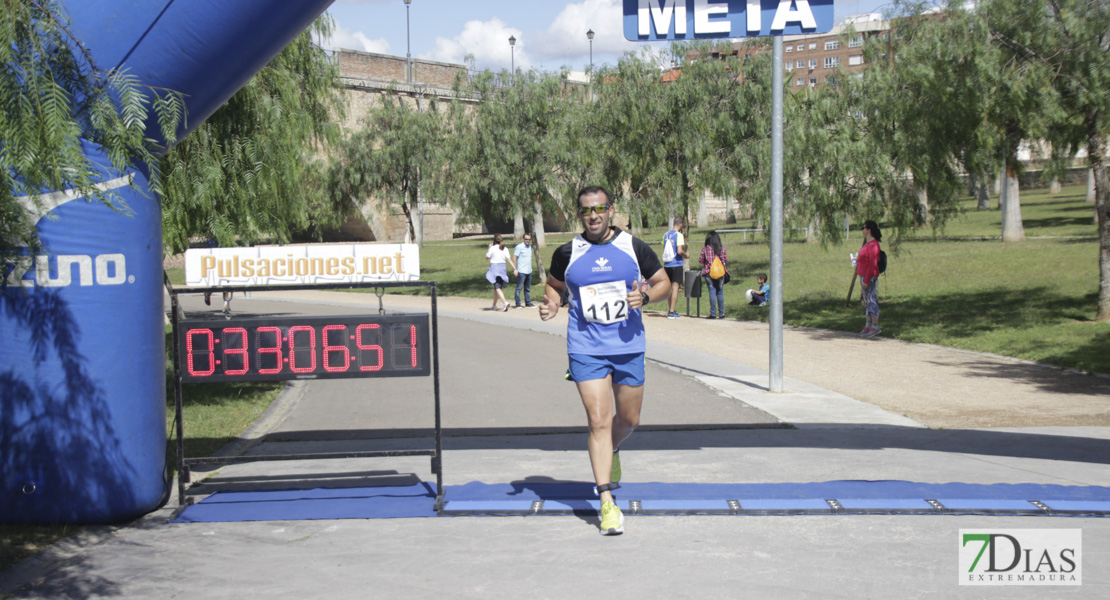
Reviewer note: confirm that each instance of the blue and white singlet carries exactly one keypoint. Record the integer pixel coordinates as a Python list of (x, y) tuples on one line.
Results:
[(599, 277)]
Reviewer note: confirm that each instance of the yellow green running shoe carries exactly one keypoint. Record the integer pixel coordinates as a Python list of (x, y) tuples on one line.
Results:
[(615, 472), (612, 520)]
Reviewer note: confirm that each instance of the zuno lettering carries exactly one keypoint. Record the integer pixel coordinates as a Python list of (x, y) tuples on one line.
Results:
[(64, 270)]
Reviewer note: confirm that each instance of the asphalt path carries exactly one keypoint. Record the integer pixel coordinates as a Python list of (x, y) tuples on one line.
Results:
[(509, 416)]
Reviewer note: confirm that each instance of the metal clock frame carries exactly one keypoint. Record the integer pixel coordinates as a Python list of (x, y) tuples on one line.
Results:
[(184, 464)]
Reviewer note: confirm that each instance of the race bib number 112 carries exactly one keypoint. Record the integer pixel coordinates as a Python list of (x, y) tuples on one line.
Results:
[(605, 302)]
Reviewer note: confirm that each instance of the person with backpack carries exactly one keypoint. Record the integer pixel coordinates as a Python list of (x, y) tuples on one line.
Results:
[(714, 261), (674, 256), (867, 268)]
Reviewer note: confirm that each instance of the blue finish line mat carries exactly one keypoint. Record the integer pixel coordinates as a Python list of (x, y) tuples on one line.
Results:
[(566, 498)]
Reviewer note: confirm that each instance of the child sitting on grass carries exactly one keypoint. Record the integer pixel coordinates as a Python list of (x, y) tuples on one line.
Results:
[(759, 296)]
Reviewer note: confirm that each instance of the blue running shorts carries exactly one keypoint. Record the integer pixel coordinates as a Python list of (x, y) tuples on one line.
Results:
[(626, 369)]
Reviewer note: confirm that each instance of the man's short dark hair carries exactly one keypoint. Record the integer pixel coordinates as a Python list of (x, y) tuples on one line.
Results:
[(592, 189)]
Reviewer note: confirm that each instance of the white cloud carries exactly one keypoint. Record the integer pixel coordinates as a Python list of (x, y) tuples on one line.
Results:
[(344, 38), (487, 41), (565, 38)]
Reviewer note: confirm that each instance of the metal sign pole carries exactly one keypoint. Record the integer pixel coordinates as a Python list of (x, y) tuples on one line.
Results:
[(775, 362), (686, 20), (437, 460)]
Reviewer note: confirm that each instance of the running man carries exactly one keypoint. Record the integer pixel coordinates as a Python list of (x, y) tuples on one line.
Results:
[(607, 273)]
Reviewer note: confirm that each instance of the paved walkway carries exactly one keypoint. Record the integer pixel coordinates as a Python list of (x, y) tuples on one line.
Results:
[(871, 410), (932, 385)]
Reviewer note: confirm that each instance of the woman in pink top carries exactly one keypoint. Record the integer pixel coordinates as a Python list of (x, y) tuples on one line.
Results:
[(867, 267)]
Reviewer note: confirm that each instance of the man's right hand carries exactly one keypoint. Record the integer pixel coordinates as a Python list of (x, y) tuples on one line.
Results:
[(548, 308)]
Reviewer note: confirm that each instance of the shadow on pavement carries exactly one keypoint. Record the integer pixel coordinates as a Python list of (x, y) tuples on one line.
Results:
[(985, 442)]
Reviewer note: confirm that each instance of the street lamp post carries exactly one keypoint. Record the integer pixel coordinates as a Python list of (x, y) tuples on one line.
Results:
[(512, 58), (590, 35), (408, 45)]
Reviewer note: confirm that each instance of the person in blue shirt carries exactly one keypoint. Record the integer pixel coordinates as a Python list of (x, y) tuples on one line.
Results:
[(760, 296), (674, 255), (609, 276), (523, 254)]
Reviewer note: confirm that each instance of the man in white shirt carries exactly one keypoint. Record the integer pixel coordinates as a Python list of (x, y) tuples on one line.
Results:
[(523, 254)]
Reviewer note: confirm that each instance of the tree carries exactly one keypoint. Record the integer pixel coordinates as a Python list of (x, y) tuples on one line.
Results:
[(1070, 39), (990, 102), (927, 61), (398, 143), (664, 134), (252, 170), (53, 97), (507, 148)]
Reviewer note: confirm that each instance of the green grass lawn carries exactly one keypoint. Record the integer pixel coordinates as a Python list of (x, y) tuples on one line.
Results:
[(959, 287)]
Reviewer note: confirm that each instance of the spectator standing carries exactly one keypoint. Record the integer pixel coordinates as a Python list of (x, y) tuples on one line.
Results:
[(867, 267), (713, 249), (674, 255), (523, 255)]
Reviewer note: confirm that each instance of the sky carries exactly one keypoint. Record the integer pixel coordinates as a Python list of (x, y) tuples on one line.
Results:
[(550, 34)]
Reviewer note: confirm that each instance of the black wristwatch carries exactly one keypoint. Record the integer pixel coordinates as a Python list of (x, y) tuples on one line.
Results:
[(644, 299)]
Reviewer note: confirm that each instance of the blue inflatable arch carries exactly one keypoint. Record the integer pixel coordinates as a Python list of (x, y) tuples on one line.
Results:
[(82, 356)]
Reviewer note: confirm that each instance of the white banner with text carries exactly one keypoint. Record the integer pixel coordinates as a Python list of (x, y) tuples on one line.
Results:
[(303, 264)]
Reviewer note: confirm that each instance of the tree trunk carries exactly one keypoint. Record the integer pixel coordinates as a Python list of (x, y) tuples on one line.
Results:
[(1012, 228), (537, 226), (730, 210), (1097, 147), (1102, 208), (410, 235), (418, 224), (539, 242), (1054, 186), (1090, 186), (921, 216), (983, 196), (703, 210), (518, 222)]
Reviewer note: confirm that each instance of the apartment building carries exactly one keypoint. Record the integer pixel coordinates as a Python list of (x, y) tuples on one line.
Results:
[(810, 60)]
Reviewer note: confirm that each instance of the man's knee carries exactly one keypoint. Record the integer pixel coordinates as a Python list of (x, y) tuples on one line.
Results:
[(599, 423), (628, 421)]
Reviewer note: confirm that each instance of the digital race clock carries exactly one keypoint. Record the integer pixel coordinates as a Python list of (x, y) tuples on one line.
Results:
[(317, 347)]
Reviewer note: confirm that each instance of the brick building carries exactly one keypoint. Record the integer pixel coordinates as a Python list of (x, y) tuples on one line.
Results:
[(810, 60)]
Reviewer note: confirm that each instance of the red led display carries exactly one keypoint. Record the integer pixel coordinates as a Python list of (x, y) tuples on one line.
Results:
[(258, 349)]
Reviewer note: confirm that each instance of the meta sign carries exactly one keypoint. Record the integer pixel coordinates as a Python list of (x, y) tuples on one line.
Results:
[(656, 20)]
